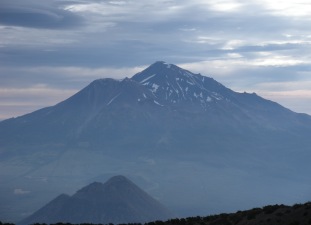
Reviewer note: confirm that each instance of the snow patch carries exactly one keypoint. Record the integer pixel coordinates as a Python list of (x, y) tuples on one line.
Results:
[(217, 96), (155, 87), (187, 74), (167, 65), (113, 99), (181, 90), (144, 80), (157, 103)]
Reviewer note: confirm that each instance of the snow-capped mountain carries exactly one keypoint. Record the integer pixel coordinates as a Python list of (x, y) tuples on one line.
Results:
[(162, 84), (172, 85), (174, 131)]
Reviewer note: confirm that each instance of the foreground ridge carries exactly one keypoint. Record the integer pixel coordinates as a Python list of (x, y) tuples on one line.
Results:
[(298, 214)]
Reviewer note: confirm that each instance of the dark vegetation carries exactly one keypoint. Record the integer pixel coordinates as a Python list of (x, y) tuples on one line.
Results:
[(298, 214)]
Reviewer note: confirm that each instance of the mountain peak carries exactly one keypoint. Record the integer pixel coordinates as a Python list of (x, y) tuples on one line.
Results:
[(164, 66), (118, 179), (161, 64), (92, 189), (172, 84), (115, 185), (116, 201)]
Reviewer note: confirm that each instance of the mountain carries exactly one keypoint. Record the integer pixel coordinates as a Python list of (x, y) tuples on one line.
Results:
[(159, 92), (182, 136), (117, 201)]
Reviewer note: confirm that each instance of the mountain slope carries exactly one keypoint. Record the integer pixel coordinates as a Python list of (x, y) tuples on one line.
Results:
[(176, 87), (116, 201)]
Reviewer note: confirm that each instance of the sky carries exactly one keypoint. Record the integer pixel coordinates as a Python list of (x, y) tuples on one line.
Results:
[(50, 49)]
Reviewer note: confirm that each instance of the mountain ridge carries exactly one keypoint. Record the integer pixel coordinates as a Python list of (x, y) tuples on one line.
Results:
[(207, 94)]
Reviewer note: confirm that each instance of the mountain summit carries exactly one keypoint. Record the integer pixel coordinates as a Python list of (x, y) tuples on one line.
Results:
[(171, 84), (117, 201), (200, 142)]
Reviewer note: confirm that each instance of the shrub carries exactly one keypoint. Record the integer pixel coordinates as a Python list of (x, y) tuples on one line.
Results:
[(270, 209)]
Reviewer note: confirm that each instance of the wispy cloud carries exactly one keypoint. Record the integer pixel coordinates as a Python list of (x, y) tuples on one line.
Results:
[(19, 191), (18, 101), (288, 8)]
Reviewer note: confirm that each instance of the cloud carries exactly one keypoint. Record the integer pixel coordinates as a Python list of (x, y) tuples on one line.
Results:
[(235, 62), (288, 8), (296, 100), (294, 94), (130, 33), (72, 77), (19, 191), (225, 6), (282, 79), (18, 101), (36, 15)]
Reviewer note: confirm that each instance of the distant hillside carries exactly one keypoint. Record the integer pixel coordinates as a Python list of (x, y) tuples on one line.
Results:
[(117, 201)]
